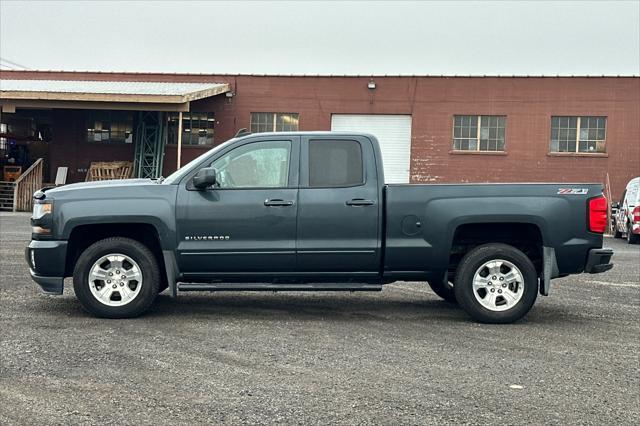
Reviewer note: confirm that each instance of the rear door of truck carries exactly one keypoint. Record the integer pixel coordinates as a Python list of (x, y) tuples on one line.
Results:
[(339, 210)]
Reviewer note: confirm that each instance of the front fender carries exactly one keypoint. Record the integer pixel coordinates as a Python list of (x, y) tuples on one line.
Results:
[(156, 212)]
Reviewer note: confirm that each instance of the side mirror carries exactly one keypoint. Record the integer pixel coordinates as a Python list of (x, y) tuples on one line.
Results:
[(205, 178)]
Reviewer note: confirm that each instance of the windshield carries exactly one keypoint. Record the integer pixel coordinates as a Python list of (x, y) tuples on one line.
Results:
[(176, 176)]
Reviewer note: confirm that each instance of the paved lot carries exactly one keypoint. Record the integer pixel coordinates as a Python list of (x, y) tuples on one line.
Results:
[(401, 356)]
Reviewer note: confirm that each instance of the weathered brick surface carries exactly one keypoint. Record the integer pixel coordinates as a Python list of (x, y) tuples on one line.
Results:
[(528, 103)]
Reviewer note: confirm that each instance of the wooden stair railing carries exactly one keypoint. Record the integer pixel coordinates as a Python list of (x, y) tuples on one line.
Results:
[(28, 183)]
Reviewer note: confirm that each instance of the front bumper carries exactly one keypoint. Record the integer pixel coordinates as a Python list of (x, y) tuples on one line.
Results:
[(598, 261), (47, 260), (49, 285)]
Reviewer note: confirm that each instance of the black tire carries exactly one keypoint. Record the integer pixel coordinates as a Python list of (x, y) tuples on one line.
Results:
[(137, 252), (631, 237), (616, 233), (467, 268), (444, 290)]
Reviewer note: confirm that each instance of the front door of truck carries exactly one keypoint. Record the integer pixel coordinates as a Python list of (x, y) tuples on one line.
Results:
[(339, 208), (246, 222)]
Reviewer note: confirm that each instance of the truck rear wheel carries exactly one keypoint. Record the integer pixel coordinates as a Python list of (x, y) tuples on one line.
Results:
[(496, 283), (116, 278), (444, 289)]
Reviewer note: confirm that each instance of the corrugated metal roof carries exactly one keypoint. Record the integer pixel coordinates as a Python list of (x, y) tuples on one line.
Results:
[(107, 87), (355, 75)]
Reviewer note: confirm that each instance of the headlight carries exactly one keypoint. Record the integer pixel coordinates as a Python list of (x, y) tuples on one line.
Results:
[(40, 209), (40, 224)]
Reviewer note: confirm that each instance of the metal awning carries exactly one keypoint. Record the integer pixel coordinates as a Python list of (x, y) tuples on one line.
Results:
[(137, 95)]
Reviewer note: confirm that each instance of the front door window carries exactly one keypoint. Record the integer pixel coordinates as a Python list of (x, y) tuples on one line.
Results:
[(255, 165)]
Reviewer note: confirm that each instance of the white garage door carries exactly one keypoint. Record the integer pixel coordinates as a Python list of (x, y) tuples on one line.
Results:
[(393, 133)]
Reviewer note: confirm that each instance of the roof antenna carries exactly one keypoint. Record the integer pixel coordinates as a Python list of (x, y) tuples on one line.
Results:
[(242, 132)]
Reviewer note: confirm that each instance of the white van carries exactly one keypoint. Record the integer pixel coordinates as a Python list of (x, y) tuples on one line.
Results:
[(627, 220)]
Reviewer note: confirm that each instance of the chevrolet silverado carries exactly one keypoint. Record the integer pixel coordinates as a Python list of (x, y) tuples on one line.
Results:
[(311, 211)]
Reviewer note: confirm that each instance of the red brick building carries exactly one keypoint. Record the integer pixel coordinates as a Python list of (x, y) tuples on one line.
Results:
[(432, 129)]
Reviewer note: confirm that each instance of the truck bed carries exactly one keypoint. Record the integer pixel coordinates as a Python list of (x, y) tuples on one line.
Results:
[(422, 220)]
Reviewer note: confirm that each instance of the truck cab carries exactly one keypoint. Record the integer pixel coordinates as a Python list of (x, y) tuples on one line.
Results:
[(283, 206)]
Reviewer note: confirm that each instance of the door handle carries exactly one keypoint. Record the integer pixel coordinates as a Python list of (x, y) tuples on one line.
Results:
[(360, 202), (276, 202)]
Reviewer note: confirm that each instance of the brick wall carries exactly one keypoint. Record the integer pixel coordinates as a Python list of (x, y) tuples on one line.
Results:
[(528, 103)]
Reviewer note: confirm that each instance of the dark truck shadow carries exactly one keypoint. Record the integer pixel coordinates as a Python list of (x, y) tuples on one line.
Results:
[(266, 306), (282, 306), (340, 307)]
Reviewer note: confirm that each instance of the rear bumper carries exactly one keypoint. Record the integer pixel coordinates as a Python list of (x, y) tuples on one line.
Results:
[(47, 260), (598, 261)]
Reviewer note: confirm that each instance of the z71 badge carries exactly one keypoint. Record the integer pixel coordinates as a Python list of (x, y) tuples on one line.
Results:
[(573, 191)]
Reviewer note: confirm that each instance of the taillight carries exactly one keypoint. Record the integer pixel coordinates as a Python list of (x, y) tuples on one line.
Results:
[(598, 214), (636, 215)]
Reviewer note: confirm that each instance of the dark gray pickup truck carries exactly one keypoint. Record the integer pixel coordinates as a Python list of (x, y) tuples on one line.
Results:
[(311, 211)]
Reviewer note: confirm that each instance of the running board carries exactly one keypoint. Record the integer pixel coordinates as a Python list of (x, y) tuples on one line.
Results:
[(278, 287)]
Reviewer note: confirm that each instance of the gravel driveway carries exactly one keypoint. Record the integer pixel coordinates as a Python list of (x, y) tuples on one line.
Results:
[(400, 356)]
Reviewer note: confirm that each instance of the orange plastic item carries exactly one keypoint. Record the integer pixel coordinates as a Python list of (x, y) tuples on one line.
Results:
[(11, 173)]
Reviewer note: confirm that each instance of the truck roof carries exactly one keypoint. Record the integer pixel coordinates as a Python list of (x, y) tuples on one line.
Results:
[(309, 133)]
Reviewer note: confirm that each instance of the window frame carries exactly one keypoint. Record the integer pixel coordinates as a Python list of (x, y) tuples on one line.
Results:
[(478, 138), (189, 113), (306, 157), (90, 120), (249, 150), (577, 140), (294, 165), (274, 123)]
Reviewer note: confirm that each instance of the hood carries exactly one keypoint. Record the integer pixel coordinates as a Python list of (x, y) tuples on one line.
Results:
[(111, 184)]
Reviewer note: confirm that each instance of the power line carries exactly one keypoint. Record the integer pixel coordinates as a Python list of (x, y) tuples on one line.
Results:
[(11, 63)]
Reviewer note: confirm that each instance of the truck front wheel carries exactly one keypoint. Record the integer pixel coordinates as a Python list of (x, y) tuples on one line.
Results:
[(116, 278), (496, 283)]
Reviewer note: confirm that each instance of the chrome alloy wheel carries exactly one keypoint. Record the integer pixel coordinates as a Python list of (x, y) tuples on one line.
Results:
[(115, 279), (498, 285)]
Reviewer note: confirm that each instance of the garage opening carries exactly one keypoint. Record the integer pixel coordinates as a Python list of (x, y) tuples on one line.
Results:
[(393, 133)]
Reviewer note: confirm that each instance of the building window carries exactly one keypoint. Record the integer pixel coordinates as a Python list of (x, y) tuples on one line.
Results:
[(578, 134), (273, 122), (478, 132), (110, 126), (197, 128), (3, 139)]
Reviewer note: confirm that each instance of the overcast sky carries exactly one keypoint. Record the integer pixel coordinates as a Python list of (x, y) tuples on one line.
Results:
[(518, 37)]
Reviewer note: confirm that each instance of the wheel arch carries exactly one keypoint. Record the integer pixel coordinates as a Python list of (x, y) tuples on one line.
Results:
[(82, 236), (524, 235)]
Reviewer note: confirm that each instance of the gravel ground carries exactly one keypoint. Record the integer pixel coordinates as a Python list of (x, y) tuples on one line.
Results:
[(400, 356)]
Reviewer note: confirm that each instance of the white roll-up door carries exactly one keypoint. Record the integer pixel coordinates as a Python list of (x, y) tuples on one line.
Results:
[(393, 133)]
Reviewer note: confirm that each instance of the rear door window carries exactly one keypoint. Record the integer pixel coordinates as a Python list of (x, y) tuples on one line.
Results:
[(632, 195), (335, 163)]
